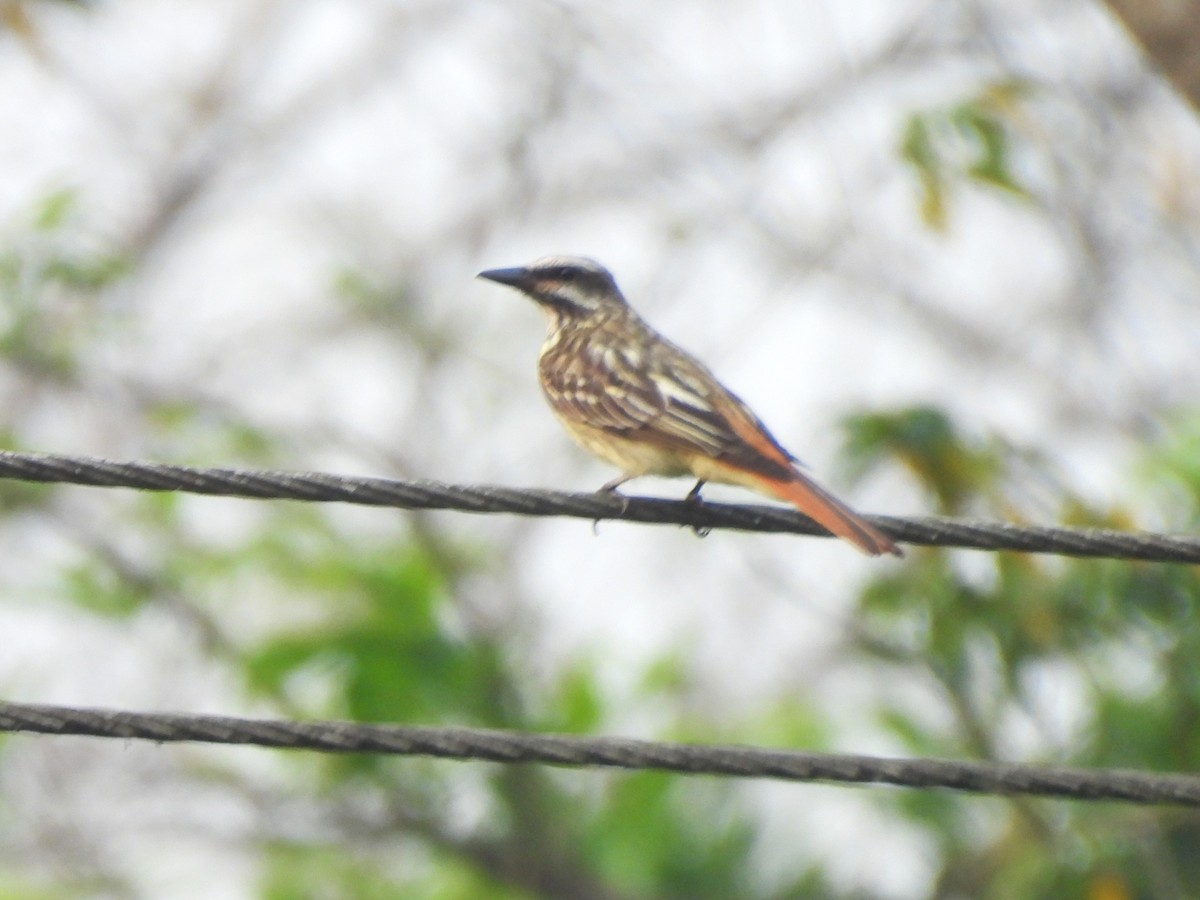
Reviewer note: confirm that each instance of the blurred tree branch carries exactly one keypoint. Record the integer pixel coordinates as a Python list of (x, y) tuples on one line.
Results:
[(1169, 32)]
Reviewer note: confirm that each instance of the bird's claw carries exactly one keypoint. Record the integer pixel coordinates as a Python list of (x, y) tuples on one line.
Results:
[(693, 498), (610, 488)]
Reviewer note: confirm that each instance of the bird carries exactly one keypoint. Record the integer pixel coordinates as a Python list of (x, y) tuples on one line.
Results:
[(639, 402)]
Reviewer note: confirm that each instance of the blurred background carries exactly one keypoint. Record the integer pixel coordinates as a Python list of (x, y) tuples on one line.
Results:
[(948, 250)]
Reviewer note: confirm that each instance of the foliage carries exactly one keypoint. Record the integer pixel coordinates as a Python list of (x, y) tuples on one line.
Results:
[(991, 638), (46, 286), (969, 141)]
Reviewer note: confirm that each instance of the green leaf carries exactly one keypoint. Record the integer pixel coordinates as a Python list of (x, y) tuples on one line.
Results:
[(971, 141), (917, 149), (926, 442), (56, 209)]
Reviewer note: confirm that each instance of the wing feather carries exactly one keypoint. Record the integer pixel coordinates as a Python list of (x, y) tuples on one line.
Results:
[(651, 390)]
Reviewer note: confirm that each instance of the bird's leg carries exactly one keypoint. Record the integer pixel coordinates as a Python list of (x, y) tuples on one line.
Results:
[(610, 487), (693, 498)]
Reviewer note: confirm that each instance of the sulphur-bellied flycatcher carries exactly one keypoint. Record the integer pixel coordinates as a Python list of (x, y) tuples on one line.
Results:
[(636, 400)]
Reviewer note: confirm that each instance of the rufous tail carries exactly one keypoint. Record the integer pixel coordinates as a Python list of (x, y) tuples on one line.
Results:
[(825, 509)]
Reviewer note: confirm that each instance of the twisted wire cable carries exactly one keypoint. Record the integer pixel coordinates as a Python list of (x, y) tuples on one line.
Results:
[(609, 752), (317, 487)]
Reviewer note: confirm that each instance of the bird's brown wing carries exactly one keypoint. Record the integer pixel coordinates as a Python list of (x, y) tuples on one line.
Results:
[(655, 392), (695, 398)]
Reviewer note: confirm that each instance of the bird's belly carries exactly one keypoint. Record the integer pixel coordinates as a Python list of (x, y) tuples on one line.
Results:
[(636, 458), (630, 456), (709, 469)]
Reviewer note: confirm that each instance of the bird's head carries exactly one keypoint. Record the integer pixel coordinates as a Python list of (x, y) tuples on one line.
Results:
[(565, 286)]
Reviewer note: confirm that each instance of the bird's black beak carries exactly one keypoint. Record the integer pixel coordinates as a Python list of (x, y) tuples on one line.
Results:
[(518, 277)]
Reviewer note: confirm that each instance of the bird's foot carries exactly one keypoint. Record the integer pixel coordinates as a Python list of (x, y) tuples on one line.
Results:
[(610, 487), (693, 498)]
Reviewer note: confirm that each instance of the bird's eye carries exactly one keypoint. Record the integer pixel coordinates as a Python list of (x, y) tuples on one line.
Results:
[(566, 273)]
